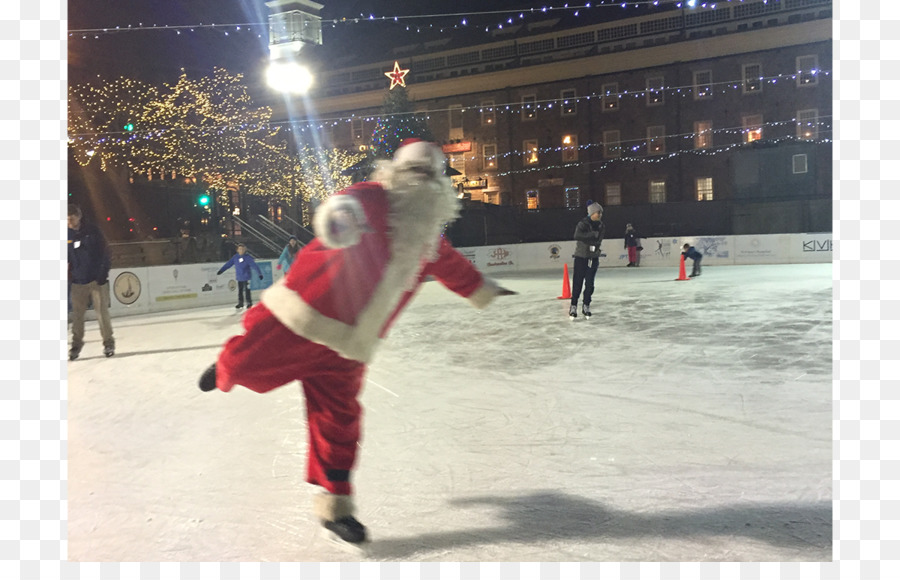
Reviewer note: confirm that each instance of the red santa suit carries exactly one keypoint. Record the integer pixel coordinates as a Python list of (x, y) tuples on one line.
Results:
[(322, 323)]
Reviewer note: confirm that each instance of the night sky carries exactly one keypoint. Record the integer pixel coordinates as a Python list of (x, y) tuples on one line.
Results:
[(160, 55)]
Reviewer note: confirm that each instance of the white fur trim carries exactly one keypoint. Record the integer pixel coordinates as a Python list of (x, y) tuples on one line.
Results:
[(484, 295), (291, 310), (340, 221), (330, 507)]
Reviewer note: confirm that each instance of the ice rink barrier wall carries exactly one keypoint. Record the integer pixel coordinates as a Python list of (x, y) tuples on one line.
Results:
[(177, 287)]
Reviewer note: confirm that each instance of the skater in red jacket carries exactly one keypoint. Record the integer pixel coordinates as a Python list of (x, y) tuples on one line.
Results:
[(375, 244)]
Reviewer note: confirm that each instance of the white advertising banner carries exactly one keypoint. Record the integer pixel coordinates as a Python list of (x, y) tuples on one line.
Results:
[(763, 249), (811, 248)]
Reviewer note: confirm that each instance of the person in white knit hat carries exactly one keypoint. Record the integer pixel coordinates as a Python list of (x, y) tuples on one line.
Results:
[(588, 236), (375, 244)]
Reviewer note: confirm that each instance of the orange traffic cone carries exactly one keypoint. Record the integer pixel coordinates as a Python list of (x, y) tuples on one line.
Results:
[(681, 273), (567, 290)]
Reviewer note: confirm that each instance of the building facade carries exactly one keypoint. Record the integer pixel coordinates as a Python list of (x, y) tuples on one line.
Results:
[(726, 103)]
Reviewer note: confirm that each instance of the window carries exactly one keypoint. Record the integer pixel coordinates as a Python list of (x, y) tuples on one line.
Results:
[(530, 149), (799, 163), (655, 93), (531, 196), (573, 197), (808, 124), (752, 128), (488, 117), (704, 189), (529, 107), (657, 191), (456, 122), (752, 78), (612, 146), (570, 148), (807, 70), (610, 96), (702, 134), (613, 194), (489, 157), (703, 85), (656, 140), (358, 129), (569, 104)]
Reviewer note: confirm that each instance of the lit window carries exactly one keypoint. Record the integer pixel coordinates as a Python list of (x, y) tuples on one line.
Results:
[(613, 194), (610, 96), (656, 140), (752, 128), (704, 189), (489, 161), (703, 85), (530, 148), (657, 191), (531, 196), (702, 134), (529, 107), (573, 197), (752, 78), (655, 93), (487, 113), (569, 105), (569, 148), (612, 146), (807, 70), (808, 124)]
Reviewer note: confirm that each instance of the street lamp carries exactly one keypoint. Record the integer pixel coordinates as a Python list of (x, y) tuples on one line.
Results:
[(293, 24)]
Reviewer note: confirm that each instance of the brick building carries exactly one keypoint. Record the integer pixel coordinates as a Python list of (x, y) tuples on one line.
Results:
[(718, 115)]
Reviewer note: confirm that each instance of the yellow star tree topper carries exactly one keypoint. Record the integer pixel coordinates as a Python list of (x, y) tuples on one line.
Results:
[(397, 75)]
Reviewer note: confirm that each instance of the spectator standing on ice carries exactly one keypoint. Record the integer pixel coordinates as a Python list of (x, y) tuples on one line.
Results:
[(691, 252), (288, 254), (242, 262), (375, 244), (588, 236), (633, 245), (89, 263)]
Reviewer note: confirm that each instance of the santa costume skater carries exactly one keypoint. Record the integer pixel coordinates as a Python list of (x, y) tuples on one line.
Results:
[(376, 242)]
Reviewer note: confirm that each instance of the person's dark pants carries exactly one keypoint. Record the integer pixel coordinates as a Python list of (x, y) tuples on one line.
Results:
[(695, 271), (244, 290), (583, 275)]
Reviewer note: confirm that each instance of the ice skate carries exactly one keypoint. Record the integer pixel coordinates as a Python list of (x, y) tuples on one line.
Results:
[(239, 307), (207, 380), (573, 312), (108, 351), (73, 353), (338, 523), (586, 310)]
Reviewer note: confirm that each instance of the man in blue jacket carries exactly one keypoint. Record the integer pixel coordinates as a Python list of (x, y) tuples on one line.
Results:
[(242, 262), (692, 253), (89, 262)]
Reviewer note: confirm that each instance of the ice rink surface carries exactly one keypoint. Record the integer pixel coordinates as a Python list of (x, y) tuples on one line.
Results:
[(686, 421)]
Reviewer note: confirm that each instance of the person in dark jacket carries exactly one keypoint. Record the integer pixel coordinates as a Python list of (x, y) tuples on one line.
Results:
[(89, 263), (242, 262), (633, 245), (588, 235), (691, 252)]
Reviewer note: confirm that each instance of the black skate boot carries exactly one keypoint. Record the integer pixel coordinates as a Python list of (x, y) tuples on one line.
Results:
[(208, 379), (586, 310), (108, 351), (347, 529), (573, 311), (336, 514), (73, 353)]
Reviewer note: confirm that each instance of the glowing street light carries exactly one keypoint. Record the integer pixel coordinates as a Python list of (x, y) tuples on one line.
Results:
[(289, 77), (293, 24)]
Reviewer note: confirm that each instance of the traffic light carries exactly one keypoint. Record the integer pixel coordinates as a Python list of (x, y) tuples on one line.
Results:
[(203, 200), (129, 127)]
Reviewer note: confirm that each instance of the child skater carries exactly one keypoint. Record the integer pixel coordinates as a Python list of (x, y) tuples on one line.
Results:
[(242, 262)]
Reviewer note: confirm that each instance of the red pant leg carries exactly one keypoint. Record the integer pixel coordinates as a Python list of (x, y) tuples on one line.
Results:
[(333, 415), (632, 254)]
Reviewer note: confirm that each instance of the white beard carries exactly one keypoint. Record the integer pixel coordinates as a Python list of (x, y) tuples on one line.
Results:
[(419, 208)]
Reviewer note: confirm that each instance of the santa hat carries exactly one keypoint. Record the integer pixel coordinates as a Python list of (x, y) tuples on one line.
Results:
[(418, 154)]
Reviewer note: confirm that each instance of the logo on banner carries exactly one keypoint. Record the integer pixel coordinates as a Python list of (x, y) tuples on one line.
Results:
[(500, 254), (127, 288), (554, 252), (817, 246)]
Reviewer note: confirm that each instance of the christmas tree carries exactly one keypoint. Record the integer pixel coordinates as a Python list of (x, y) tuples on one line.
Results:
[(396, 123)]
